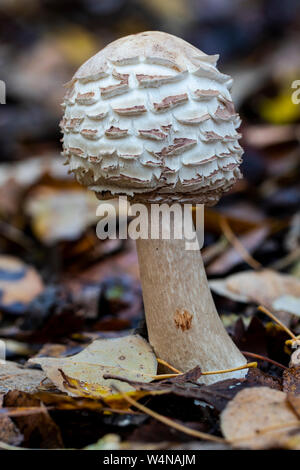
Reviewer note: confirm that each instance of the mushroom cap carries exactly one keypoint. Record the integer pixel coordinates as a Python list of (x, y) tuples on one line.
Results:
[(151, 117)]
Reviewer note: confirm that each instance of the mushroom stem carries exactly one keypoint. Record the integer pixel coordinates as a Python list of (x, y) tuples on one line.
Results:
[(183, 324)]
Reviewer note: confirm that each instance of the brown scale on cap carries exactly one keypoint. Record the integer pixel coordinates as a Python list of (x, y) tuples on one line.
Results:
[(142, 91)]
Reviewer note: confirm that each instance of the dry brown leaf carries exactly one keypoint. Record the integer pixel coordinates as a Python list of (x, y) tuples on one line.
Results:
[(129, 356), (9, 433), (262, 287), (291, 380), (38, 428), (258, 418), (13, 376)]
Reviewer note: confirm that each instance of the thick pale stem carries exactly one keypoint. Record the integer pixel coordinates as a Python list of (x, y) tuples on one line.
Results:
[(183, 324)]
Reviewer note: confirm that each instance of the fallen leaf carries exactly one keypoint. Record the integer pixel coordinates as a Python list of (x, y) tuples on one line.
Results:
[(129, 356), (287, 303), (9, 433), (114, 400), (38, 429), (258, 418), (262, 287), (19, 285), (13, 376)]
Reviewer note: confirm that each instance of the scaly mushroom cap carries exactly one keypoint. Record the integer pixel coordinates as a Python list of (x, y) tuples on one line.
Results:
[(151, 117)]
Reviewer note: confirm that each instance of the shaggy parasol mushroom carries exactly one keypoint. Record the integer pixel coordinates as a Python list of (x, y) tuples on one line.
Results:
[(151, 117)]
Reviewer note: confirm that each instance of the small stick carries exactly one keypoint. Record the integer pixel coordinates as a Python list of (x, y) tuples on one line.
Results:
[(165, 363), (263, 358), (276, 320), (232, 238), (170, 422), (246, 366), (223, 371)]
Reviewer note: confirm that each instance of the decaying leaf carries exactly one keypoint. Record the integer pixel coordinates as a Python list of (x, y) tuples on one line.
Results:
[(13, 376), (114, 400), (263, 287), (9, 433), (259, 418), (38, 428), (129, 356), (291, 380)]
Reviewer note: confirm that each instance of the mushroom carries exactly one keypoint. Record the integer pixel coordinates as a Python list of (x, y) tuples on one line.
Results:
[(151, 117)]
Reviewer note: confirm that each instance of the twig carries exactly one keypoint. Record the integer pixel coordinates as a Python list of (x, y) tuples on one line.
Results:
[(212, 372), (231, 237), (170, 422), (263, 358), (165, 363), (246, 366), (267, 312)]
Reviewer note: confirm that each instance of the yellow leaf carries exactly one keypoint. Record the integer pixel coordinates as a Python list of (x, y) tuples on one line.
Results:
[(95, 391)]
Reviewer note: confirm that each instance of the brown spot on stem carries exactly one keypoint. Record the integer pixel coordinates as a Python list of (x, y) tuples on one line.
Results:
[(183, 319)]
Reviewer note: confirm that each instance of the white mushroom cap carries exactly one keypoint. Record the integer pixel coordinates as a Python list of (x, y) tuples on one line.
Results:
[(151, 117)]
